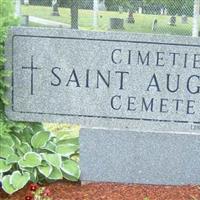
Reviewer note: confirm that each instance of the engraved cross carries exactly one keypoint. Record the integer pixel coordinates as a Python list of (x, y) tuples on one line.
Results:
[(32, 68)]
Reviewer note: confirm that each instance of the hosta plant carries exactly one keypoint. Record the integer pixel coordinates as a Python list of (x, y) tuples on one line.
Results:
[(36, 156)]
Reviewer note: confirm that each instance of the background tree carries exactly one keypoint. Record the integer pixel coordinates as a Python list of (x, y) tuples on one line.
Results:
[(114, 4), (174, 7)]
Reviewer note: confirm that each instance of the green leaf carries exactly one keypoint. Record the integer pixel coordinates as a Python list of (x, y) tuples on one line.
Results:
[(5, 101), (12, 159), (6, 139), (40, 139), (33, 174), (18, 152), (4, 84), (73, 141), (56, 174), (69, 177), (19, 127), (63, 135), (27, 134), (28, 131), (45, 169), (3, 60), (66, 150), (7, 187), (37, 127), (52, 159), (50, 146), (30, 159), (25, 147), (19, 180), (5, 73), (71, 170), (4, 167), (5, 151), (16, 140)]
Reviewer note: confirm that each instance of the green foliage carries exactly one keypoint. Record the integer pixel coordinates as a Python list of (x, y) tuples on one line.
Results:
[(179, 7), (7, 20), (114, 4), (11, 183), (28, 152), (25, 161)]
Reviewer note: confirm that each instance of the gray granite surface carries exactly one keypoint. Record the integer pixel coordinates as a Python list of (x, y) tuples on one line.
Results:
[(138, 157), (115, 80)]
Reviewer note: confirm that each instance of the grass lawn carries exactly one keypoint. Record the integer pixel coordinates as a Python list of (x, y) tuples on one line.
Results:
[(32, 24), (70, 130), (143, 22)]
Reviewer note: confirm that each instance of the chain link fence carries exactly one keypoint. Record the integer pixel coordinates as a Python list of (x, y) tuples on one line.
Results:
[(173, 17)]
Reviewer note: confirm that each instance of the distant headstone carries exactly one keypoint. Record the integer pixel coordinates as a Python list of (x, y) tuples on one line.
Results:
[(101, 5), (116, 23), (172, 21), (162, 11), (24, 20), (55, 8), (26, 2), (154, 24), (130, 19), (140, 10), (165, 11), (184, 19), (121, 9)]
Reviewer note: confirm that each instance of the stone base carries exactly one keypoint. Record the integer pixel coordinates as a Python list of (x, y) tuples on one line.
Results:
[(139, 157)]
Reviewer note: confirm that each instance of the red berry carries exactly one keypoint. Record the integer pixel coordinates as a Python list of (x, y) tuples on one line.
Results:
[(33, 187), (28, 198)]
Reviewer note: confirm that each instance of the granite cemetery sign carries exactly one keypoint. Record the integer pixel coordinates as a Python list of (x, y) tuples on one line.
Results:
[(105, 79), (146, 85)]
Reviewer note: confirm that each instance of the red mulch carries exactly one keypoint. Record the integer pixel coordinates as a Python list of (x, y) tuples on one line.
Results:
[(63, 190)]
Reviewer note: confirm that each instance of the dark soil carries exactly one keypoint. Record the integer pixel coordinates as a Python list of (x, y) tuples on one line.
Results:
[(63, 190)]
